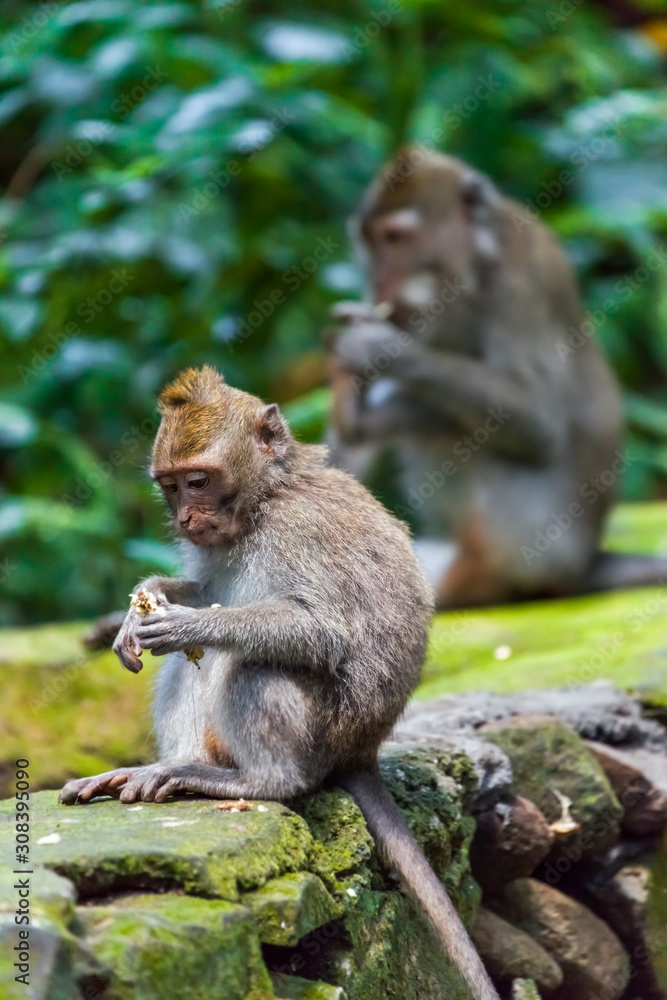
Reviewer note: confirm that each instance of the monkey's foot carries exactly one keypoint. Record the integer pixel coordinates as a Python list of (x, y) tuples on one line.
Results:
[(127, 783), (156, 782)]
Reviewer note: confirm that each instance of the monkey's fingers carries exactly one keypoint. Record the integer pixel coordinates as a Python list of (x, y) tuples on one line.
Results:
[(127, 649), (69, 793), (84, 789), (164, 612), (129, 658), (150, 641), (103, 784)]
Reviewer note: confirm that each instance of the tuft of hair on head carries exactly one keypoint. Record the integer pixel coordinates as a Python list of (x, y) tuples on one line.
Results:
[(194, 386), (193, 408)]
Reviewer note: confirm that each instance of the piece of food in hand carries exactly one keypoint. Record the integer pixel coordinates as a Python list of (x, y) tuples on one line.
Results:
[(360, 311), (146, 603)]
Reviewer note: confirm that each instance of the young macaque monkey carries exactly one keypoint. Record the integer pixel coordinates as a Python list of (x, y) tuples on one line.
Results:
[(507, 437), (313, 613)]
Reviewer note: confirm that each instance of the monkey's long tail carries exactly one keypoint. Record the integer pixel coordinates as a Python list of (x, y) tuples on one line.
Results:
[(616, 570), (394, 839)]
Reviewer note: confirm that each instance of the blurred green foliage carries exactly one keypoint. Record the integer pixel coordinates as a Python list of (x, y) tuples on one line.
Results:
[(177, 180)]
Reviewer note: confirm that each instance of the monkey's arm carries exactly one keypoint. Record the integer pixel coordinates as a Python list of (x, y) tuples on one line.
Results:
[(460, 389), (290, 630), (171, 589), (126, 645)]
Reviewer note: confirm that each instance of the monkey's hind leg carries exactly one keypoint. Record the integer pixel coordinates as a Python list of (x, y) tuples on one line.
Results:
[(214, 782), (156, 782)]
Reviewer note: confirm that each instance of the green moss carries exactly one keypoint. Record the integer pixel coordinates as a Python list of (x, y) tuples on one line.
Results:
[(619, 637), (548, 757), (296, 988), (86, 705), (561, 643), (524, 989), (637, 527), (383, 950), (430, 785), (57, 957), (657, 912), (289, 907), (107, 846), (342, 844), (164, 947)]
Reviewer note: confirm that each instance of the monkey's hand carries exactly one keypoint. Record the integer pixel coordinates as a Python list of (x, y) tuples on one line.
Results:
[(371, 346), (175, 627), (126, 645)]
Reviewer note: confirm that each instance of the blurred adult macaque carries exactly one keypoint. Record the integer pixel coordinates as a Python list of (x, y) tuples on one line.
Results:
[(472, 373)]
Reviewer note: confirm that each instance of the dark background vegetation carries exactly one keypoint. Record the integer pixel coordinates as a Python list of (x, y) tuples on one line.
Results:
[(166, 166)]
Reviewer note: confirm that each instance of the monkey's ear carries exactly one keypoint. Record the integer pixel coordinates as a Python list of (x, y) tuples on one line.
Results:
[(478, 196), (273, 435)]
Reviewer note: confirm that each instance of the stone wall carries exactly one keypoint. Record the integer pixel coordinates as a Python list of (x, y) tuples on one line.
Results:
[(541, 836)]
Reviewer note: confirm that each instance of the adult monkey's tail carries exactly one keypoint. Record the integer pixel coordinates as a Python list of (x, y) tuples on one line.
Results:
[(618, 570), (395, 841)]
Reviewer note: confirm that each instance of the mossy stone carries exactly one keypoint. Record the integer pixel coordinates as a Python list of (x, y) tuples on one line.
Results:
[(382, 949), (56, 956), (342, 847), (188, 844), (548, 758), (296, 988), (431, 785), (168, 947), (289, 907)]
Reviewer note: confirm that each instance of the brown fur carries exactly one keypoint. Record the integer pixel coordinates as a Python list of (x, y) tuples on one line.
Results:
[(216, 751)]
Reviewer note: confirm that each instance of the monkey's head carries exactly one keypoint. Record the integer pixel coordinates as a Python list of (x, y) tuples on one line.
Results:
[(426, 219), (218, 453)]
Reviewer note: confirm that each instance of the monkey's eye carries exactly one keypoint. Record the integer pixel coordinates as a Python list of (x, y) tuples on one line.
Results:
[(199, 483), (394, 235), (169, 487), (472, 192)]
